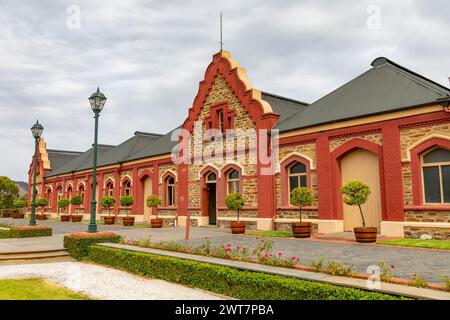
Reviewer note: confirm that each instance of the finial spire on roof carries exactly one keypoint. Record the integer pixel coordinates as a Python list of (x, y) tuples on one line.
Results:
[(221, 42)]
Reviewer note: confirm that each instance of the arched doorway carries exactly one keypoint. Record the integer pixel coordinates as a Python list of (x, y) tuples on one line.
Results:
[(364, 166), (211, 183)]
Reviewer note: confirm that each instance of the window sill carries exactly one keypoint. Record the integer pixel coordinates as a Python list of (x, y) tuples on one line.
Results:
[(167, 208), (289, 207), (430, 207)]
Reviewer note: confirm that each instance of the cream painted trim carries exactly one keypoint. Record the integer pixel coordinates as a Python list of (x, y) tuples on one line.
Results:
[(165, 172), (240, 219), (105, 182), (408, 153), (83, 183), (311, 162), (236, 164), (126, 176), (289, 220), (219, 172), (365, 120), (44, 155), (242, 74)]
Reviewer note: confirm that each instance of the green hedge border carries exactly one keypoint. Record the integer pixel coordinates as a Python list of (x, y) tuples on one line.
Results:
[(24, 233), (79, 247), (227, 281)]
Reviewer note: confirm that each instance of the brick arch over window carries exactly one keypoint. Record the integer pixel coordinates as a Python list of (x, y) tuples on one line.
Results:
[(165, 193), (109, 185), (416, 172), (222, 190), (284, 175), (337, 155), (124, 184), (203, 188)]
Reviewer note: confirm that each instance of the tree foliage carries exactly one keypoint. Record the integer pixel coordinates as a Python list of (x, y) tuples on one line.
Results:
[(41, 202), (153, 202), (8, 192), (301, 197), (356, 193), (126, 201), (20, 203), (234, 201), (76, 200)]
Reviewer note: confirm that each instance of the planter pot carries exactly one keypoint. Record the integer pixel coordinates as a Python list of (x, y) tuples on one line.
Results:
[(40, 216), (128, 221), (65, 218), (18, 215), (110, 220), (76, 218), (366, 235), (156, 223), (237, 227), (301, 229)]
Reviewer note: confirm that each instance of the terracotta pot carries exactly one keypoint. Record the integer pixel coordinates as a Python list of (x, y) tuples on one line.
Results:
[(76, 218), (110, 220), (65, 218), (40, 216), (128, 221), (156, 223), (237, 227), (366, 235), (301, 229)]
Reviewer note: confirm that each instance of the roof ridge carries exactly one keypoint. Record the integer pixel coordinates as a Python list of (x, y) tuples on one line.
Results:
[(284, 98), (65, 151), (382, 61), (143, 133)]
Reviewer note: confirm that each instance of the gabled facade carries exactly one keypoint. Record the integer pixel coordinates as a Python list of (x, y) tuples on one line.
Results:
[(389, 128)]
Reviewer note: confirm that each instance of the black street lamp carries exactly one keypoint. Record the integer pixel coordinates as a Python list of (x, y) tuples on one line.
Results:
[(97, 101), (36, 130)]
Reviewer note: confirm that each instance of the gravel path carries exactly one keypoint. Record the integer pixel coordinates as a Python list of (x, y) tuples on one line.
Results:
[(104, 283)]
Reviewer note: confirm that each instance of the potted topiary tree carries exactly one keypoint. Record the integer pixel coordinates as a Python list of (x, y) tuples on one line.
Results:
[(77, 201), (301, 197), (234, 201), (20, 204), (63, 204), (356, 193), (154, 202), (127, 201), (108, 202), (42, 203)]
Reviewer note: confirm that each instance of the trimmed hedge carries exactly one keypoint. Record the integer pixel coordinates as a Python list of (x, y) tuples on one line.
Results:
[(227, 281), (4, 234), (30, 233), (79, 247)]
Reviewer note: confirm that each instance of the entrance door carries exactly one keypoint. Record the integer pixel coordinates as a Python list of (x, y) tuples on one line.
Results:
[(147, 191), (212, 208), (362, 165)]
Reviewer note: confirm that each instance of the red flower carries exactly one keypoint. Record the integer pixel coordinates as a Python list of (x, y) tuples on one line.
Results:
[(229, 245), (392, 266), (280, 254), (293, 258)]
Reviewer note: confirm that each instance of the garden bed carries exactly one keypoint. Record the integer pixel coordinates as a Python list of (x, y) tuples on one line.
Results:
[(225, 280), (10, 231)]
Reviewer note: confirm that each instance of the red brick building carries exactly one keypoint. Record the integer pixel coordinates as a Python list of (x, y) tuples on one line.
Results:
[(388, 127)]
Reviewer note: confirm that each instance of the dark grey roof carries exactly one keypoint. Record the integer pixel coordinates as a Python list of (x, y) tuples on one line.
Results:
[(386, 87), (161, 146), (60, 157), (81, 162), (123, 151), (285, 107)]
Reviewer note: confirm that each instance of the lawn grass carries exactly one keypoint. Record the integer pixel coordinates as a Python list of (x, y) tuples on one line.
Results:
[(417, 243), (271, 233), (35, 289)]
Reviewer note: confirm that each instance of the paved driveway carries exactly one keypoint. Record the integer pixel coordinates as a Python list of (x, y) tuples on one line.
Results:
[(427, 263)]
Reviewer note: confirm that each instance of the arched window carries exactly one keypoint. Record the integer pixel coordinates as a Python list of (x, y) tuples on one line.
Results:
[(60, 193), (69, 192), (211, 177), (170, 191), (297, 176), (126, 187), (110, 189), (81, 192), (436, 176), (233, 182), (49, 197)]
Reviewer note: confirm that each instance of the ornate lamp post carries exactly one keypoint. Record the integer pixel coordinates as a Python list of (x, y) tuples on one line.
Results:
[(97, 101), (36, 130)]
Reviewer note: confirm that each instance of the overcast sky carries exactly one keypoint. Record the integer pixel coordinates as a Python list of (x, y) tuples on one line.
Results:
[(148, 57)]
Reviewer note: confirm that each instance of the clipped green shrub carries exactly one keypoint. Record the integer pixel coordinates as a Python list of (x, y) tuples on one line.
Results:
[(227, 281), (234, 201), (76, 200), (301, 197), (25, 232), (79, 247), (356, 193), (126, 201), (20, 203), (4, 233), (153, 202), (107, 202)]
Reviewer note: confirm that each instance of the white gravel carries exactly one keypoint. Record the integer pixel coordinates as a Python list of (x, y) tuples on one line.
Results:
[(103, 283)]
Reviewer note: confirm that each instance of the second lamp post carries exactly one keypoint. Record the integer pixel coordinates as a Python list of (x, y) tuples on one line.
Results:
[(97, 101)]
